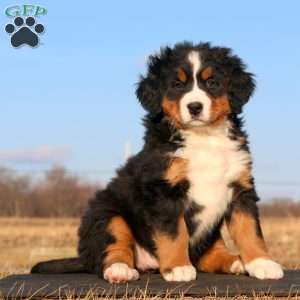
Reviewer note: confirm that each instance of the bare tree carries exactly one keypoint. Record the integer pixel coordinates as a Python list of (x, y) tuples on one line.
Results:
[(58, 194)]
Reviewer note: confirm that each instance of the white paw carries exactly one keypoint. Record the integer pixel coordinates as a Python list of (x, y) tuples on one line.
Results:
[(184, 273), (263, 268), (237, 267), (120, 272)]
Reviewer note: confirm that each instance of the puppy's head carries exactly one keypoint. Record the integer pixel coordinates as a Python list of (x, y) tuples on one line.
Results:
[(195, 85)]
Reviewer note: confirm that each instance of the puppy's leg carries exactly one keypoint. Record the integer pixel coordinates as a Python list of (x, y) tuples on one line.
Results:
[(218, 259), (244, 227), (118, 264), (173, 255)]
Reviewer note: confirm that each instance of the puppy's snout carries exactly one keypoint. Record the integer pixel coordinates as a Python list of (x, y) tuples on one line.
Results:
[(195, 108)]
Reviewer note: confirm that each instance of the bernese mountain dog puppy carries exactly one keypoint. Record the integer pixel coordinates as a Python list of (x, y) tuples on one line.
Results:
[(168, 207)]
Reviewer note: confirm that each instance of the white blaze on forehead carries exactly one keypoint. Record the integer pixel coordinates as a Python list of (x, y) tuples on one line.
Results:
[(194, 59), (196, 94)]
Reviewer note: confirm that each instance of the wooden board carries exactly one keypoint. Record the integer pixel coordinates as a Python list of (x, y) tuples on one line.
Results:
[(61, 285)]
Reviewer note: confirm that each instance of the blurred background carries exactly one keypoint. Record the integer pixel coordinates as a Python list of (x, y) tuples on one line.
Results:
[(70, 118)]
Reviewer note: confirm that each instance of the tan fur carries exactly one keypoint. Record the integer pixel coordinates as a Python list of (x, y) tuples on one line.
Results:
[(216, 259), (173, 252), (121, 251), (177, 170), (245, 178), (220, 108), (242, 228), (228, 241), (172, 110), (181, 75), (206, 73)]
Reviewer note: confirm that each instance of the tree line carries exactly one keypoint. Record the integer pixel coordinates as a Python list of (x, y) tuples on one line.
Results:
[(57, 194), (62, 194)]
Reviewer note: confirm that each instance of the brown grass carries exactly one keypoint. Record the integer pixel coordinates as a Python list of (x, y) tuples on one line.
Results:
[(283, 239), (24, 242)]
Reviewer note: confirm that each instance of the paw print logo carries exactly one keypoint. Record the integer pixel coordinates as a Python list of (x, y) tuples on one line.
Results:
[(24, 32)]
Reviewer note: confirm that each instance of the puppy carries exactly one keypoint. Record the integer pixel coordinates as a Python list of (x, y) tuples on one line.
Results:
[(166, 207)]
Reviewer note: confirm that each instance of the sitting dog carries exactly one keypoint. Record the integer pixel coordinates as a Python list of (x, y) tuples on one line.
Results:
[(166, 207)]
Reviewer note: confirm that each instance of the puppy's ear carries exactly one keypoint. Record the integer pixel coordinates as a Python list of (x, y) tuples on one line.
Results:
[(241, 87), (150, 88), (148, 93)]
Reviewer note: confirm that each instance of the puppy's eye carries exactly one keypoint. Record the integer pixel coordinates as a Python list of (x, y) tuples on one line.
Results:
[(177, 84), (212, 83)]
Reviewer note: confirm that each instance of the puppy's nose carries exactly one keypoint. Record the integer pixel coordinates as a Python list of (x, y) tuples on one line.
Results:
[(195, 108)]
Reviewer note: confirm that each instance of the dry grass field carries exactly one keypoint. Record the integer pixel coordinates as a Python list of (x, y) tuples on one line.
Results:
[(23, 242)]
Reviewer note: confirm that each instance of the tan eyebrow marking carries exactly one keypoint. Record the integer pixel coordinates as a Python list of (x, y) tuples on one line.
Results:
[(181, 75), (206, 73)]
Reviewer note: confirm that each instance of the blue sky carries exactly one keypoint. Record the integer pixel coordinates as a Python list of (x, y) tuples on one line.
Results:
[(71, 101)]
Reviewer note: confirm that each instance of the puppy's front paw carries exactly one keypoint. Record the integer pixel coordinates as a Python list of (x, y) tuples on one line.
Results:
[(263, 268), (120, 272), (183, 273)]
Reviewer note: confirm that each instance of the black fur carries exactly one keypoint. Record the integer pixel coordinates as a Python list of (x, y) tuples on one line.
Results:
[(67, 265), (139, 193), (240, 84), (141, 197)]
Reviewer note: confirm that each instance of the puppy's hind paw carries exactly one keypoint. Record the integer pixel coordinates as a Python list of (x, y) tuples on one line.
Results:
[(120, 272), (237, 267)]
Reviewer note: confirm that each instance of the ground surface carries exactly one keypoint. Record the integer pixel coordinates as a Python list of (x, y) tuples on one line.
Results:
[(26, 241), (58, 285)]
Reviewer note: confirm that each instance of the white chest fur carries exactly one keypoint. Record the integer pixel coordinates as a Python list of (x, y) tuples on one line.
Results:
[(215, 161)]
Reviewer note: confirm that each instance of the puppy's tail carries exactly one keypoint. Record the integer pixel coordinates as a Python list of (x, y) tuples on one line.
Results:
[(58, 266)]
